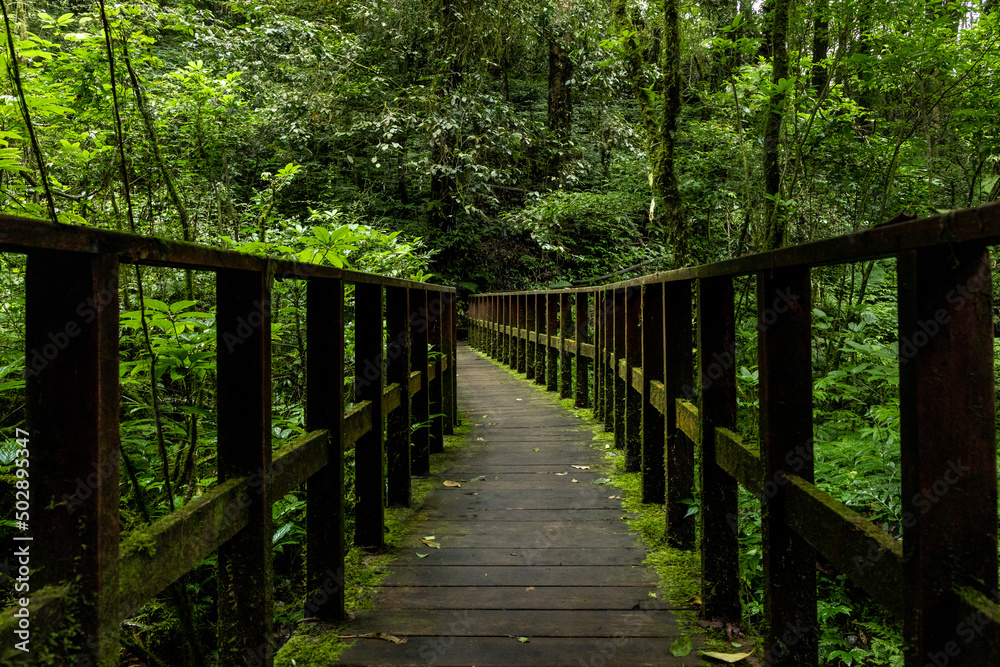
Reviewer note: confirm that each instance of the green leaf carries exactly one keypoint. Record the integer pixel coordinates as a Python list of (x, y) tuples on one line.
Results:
[(523, 640), (681, 647)]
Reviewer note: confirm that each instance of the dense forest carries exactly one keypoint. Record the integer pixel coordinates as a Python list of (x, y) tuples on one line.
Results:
[(489, 145)]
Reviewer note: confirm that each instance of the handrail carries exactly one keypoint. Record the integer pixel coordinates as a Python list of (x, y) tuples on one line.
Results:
[(83, 580), (633, 340)]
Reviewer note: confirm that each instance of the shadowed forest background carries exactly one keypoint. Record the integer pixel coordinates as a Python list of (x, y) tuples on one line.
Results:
[(491, 146)]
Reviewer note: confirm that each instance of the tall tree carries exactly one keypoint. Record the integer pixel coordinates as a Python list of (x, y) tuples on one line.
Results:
[(775, 223)]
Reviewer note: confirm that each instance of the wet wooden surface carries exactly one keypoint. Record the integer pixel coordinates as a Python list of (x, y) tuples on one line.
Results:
[(525, 551)]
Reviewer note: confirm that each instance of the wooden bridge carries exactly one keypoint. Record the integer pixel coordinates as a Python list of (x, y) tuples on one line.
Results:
[(627, 350)]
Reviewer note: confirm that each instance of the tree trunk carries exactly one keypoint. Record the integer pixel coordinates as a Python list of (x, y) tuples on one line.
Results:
[(665, 185), (821, 44), (775, 224), (560, 118)]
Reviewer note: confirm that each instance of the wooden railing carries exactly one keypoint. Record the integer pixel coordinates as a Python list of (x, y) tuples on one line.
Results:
[(941, 577), (83, 580)]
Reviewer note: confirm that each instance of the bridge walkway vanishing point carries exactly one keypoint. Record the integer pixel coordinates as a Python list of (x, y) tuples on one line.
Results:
[(530, 547)]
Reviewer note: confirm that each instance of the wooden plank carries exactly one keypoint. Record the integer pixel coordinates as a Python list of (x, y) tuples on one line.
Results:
[(538, 652), (71, 441), (619, 598), (537, 623), (244, 572), (741, 461), (162, 553), (486, 576), (524, 557), (872, 558), (688, 419), (296, 462), (325, 542)]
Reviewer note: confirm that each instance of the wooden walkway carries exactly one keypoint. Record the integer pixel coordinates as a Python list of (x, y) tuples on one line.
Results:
[(530, 547)]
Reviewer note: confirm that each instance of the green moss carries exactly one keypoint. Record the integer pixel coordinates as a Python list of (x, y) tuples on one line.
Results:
[(316, 644)]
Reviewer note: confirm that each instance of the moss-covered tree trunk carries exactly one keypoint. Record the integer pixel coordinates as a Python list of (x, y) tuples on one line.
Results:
[(560, 117), (665, 185), (667, 210), (775, 223)]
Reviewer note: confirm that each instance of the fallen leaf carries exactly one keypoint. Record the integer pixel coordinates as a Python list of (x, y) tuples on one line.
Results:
[(582, 467), (560, 474), (523, 640), (518, 399), (530, 588), (534, 449), (576, 481), (607, 446), (431, 544), (485, 416), (652, 594), (726, 657), (448, 482), (429, 537), (480, 440), (481, 478), (602, 480), (681, 647), (694, 600), (421, 555)]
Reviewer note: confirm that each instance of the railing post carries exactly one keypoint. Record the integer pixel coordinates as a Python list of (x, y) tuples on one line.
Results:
[(491, 334), (530, 345), (325, 544), (448, 358), (608, 361), (600, 355), (679, 460), (435, 388), (784, 354), (582, 319), (419, 402), (244, 570), (565, 328), (369, 450), (551, 324), (948, 452), (522, 325), (653, 422), (619, 385), (541, 355), (397, 310), (719, 518), (72, 404), (453, 360), (633, 396), (512, 320)]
